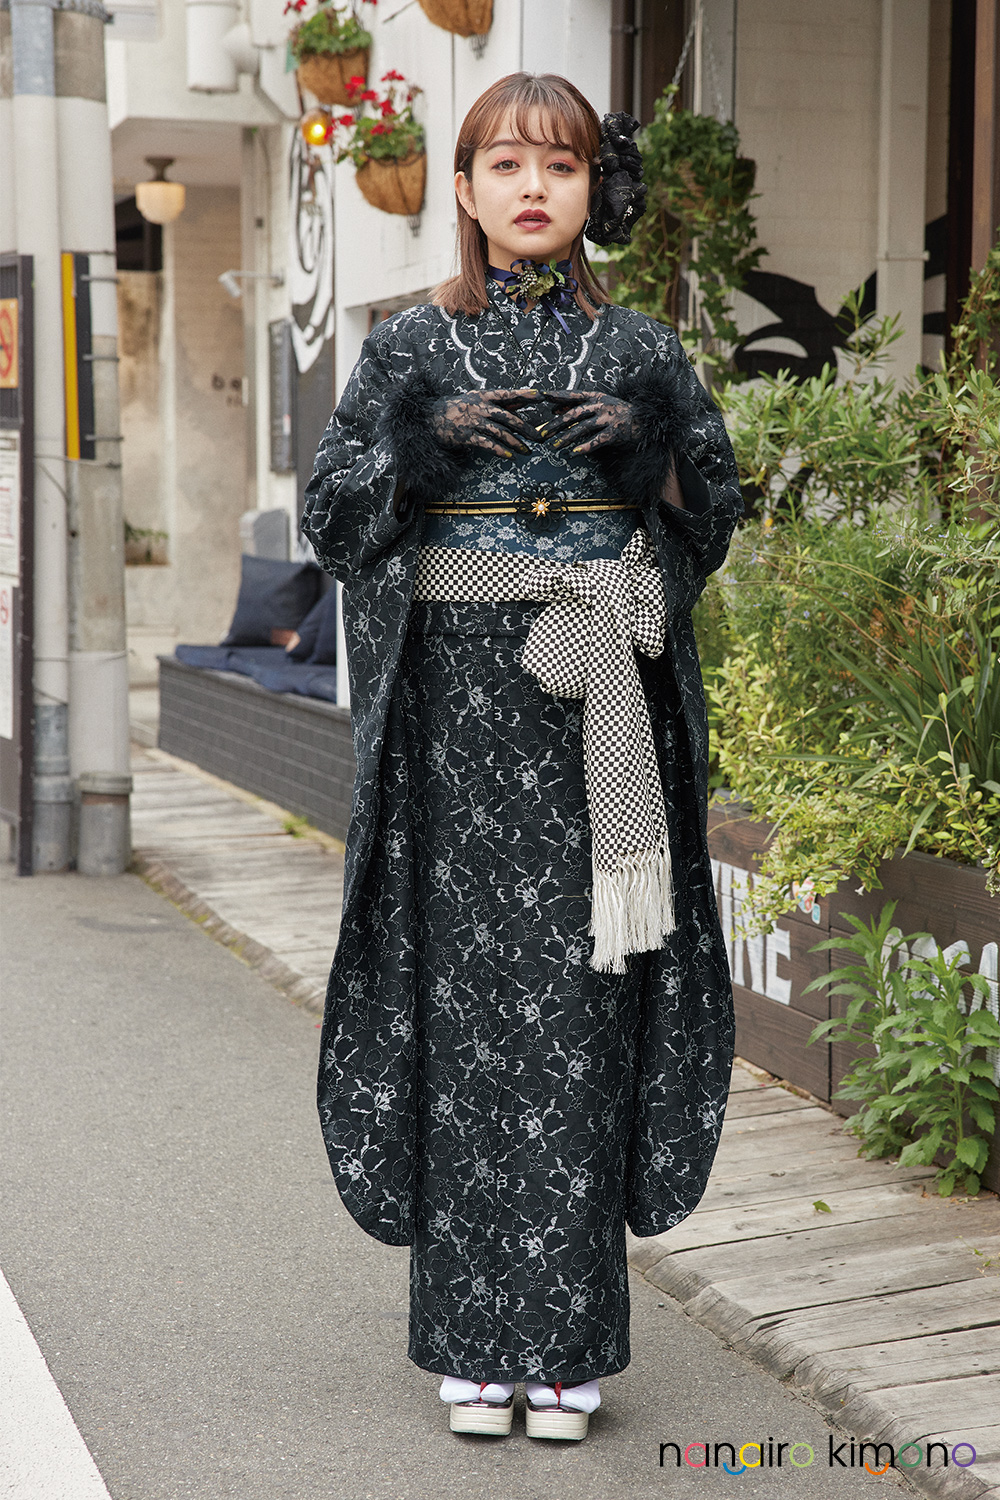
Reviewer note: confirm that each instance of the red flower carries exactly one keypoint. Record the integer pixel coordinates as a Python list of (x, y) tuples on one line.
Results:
[(356, 83), (392, 76), (369, 94), (379, 130), (387, 107), (345, 119)]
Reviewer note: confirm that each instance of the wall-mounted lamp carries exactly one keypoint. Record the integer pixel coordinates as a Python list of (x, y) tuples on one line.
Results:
[(160, 201), (231, 280)]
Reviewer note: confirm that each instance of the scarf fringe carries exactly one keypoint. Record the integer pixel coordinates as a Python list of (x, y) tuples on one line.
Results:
[(633, 907)]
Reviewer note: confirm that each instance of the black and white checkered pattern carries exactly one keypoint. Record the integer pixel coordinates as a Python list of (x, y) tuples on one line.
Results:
[(582, 647)]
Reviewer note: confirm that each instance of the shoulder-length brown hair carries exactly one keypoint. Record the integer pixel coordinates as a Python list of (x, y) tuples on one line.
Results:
[(569, 121)]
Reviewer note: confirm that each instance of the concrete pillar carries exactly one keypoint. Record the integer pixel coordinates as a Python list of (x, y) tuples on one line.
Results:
[(36, 200), (98, 661), (902, 175)]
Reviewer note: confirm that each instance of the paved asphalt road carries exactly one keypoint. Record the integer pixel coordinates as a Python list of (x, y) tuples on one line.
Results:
[(217, 1324)]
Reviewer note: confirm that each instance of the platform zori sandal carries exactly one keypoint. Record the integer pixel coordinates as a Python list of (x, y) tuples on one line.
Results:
[(481, 1406), (561, 1411)]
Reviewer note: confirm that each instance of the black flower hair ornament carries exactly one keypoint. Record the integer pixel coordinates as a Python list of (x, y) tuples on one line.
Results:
[(621, 196)]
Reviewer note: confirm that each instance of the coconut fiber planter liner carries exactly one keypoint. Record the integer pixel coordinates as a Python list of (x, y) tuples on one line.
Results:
[(773, 1016), (463, 17), (327, 74), (396, 187)]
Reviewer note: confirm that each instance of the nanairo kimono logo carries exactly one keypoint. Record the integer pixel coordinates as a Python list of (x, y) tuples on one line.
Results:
[(870, 1457)]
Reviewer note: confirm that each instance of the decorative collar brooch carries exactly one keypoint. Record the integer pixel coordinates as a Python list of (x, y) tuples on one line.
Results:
[(551, 287)]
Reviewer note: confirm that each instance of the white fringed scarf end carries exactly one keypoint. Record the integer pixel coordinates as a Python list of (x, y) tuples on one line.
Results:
[(633, 907)]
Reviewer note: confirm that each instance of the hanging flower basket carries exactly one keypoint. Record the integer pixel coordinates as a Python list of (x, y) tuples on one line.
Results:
[(330, 49), (463, 17), (396, 187), (328, 74), (386, 145)]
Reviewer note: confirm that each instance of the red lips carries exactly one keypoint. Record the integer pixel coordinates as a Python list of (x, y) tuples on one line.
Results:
[(533, 216)]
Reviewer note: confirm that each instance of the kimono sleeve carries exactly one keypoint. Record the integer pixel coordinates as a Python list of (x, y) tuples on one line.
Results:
[(680, 428), (355, 505)]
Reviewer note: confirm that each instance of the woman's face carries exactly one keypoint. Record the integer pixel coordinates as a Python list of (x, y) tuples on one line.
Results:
[(531, 201)]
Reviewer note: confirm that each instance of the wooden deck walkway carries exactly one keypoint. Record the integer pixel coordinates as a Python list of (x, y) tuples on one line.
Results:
[(876, 1307)]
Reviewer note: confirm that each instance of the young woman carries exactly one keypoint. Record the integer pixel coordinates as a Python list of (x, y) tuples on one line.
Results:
[(529, 1027)]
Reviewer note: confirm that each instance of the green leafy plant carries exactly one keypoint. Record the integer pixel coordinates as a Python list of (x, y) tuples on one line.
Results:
[(854, 685), (838, 445), (330, 30), (928, 1090), (876, 995), (698, 221), (946, 1079), (387, 131)]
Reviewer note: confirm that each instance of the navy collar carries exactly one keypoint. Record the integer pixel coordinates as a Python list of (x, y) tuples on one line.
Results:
[(551, 287)]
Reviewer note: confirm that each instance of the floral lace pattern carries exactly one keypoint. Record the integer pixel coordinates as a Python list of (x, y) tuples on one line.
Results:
[(485, 1097)]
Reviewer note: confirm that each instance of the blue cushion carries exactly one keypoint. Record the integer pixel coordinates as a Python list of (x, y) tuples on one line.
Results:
[(274, 596), (230, 658), (317, 643), (308, 632), (298, 677)]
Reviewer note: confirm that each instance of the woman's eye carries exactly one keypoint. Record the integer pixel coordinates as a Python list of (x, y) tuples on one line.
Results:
[(503, 165), (563, 166)]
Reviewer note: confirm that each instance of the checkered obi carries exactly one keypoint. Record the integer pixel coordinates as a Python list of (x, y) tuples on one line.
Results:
[(582, 646)]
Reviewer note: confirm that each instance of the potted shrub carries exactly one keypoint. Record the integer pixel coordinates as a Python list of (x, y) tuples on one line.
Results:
[(386, 145), (698, 219), (330, 49), (463, 17)]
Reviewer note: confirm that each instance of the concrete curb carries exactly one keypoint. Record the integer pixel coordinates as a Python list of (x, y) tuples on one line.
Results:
[(303, 991)]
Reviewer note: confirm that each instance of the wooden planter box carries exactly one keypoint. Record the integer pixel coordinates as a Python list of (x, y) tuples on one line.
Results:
[(773, 1016)]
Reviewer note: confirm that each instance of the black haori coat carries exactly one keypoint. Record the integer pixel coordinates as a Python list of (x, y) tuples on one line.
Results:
[(364, 516)]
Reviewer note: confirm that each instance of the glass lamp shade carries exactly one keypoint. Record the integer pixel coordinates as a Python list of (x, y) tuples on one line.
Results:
[(160, 202), (316, 127)]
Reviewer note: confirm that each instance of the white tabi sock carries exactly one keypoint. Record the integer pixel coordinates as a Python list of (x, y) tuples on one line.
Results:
[(585, 1397), (453, 1389)]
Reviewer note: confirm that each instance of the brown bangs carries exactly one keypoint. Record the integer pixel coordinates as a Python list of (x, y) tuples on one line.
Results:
[(534, 101)]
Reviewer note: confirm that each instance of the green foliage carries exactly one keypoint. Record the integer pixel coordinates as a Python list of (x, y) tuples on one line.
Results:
[(838, 445), (856, 704), (928, 1078), (946, 1079), (697, 220), (875, 988), (858, 708), (329, 31)]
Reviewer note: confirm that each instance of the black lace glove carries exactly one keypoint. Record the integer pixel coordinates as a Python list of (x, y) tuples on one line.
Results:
[(587, 420), (484, 419)]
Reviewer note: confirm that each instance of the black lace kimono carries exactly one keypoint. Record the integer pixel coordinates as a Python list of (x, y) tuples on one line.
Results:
[(486, 1096)]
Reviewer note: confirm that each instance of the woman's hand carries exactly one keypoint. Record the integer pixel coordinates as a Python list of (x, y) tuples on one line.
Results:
[(484, 419), (586, 420)]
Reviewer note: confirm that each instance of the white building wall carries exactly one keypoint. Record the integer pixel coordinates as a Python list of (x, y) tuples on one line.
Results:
[(807, 108)]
